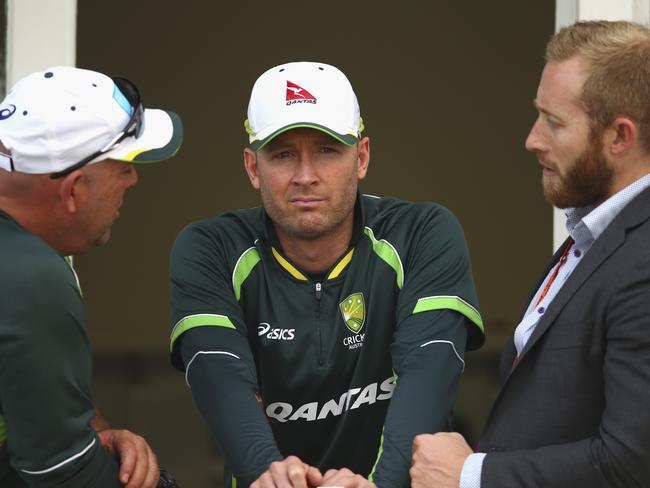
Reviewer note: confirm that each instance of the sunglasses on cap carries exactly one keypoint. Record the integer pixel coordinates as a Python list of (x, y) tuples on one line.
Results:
[(134, 126)]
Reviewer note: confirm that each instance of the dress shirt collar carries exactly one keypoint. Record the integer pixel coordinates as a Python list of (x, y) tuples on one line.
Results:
[(586, 224)]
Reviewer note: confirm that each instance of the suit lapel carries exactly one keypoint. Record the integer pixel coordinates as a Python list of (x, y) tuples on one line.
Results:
[(510, 351), (599, 252), (632, 215)]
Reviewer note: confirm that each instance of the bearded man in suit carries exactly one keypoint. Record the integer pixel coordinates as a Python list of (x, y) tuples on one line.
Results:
[(573, 407)]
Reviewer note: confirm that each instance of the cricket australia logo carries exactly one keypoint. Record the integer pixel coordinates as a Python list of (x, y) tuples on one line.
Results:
[(353, 309)]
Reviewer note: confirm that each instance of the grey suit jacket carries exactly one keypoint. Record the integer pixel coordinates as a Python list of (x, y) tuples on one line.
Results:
[(575, 409)]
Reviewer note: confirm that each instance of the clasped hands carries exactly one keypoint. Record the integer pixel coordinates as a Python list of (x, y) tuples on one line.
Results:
[(293, 473), (437, 463)]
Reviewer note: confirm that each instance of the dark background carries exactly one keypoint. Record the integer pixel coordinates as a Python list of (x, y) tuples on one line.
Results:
[(446, 93)]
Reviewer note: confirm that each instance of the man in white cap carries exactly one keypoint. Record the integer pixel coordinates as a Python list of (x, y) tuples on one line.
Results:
[(69, 138), (323, 330)]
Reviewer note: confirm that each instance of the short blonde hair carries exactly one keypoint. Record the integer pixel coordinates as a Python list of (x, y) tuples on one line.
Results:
[(618, 56)]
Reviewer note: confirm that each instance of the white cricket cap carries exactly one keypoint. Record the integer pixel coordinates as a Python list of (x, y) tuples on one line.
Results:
[(303, 94), (52, 120)]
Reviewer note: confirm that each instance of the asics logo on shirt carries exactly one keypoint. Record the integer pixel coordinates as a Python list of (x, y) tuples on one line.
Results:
[(264, 330)]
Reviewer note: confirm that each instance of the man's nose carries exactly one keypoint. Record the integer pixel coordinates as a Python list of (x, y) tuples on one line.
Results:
[(534, 139), (306, 171)]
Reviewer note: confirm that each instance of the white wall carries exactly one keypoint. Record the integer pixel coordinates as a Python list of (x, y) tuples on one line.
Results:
[(40, 34)]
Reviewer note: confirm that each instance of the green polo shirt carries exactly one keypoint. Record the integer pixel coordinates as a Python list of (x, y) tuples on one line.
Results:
[(45, 370), (319, 348)]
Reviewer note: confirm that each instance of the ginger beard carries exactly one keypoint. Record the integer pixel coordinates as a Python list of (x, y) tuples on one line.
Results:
[(585, 182)]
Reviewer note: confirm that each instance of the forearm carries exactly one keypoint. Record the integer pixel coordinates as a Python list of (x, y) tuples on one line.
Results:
[(425, 393), (225, 393)]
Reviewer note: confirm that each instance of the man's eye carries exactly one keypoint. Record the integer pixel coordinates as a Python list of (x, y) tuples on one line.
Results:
[(553, 122), (282, 155), (327, 150)]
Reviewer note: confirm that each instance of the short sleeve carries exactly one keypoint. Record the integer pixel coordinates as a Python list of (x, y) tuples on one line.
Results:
[(437, 272), (45, 393), (204, 284)]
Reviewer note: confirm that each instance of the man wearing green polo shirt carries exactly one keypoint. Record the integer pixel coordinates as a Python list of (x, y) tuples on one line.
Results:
[(323, 330), (68, 140)]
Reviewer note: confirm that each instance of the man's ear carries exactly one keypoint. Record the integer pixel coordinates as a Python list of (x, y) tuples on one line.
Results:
[(70, 191), (620, 136), (363, 158), (250, 164)]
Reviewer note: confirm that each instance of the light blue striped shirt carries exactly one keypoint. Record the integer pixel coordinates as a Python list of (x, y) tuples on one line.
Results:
[(584, 225)]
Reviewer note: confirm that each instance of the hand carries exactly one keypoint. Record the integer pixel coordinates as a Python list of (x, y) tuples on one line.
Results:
[(289, 473), (138, 464), (345, 478), (438, 460)]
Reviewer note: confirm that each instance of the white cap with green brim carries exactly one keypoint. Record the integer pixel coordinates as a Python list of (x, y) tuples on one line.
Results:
[(303, 94), (62, 118)]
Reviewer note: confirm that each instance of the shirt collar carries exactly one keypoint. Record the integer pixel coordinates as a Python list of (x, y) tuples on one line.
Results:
[(341, 263), (586, 224)]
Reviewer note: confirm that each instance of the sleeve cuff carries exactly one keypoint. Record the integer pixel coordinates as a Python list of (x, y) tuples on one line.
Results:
[(470, 476)]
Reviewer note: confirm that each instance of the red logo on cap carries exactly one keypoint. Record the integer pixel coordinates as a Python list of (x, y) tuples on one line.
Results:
[(295, 92)]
